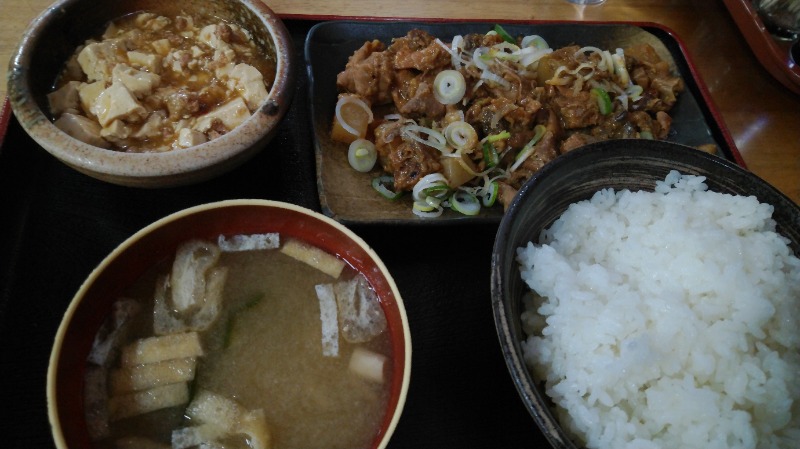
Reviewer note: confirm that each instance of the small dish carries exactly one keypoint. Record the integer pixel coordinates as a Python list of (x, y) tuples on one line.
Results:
[(347, 196)]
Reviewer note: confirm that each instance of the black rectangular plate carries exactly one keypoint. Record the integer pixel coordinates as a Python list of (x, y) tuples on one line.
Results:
[(346, 195)]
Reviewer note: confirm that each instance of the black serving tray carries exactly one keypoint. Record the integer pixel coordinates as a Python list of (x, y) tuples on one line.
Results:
[(56, 225)]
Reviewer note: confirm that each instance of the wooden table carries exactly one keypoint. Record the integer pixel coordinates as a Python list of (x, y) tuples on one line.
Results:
[(762, 116)]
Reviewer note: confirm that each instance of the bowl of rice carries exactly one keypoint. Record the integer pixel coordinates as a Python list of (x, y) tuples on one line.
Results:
[(647, 295)]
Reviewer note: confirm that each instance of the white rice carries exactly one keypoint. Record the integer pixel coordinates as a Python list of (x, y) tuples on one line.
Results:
[(667, 319)]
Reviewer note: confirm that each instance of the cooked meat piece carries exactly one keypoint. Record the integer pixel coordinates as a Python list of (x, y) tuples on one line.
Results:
[(475, 40), (576, 140), (387, 138), (549, 64), (413, 95), (546, 150), (577, 110), (665, 123), (411, 161), (653, 73), (505, 194), (418, 50), (368, 73)]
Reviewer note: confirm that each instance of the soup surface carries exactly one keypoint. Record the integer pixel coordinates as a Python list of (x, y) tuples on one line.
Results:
[(263, 357)]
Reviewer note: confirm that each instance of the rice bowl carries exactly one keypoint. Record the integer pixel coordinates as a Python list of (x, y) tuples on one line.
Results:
[(657, 311), (639, 166)]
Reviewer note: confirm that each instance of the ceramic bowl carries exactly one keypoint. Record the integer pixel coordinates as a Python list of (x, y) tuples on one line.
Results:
[(576, 176), (54, 35), (158, 242)]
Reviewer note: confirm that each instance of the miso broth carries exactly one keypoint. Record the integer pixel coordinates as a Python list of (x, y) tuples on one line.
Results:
[(264, 352)]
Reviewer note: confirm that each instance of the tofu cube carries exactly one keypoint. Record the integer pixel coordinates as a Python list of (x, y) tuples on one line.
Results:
[(88, 93), (161, 46), (81, 128), (149, 61), (138, 82), (250, 83), (150, 128), (117, 103), (65, 99), (116, 131), (98, 59), (230, 114), (190, 137)]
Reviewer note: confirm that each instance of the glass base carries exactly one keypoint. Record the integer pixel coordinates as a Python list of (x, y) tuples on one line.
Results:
[(586, 2)]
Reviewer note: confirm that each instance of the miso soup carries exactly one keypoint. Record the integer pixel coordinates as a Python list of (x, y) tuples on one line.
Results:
[(233, 345)]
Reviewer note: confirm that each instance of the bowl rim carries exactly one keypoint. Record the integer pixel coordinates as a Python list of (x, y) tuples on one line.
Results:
[(67, 318), (533, 398), (89, 158)]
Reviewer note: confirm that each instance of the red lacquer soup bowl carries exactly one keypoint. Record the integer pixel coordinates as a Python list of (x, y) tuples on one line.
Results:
[(158, 242)]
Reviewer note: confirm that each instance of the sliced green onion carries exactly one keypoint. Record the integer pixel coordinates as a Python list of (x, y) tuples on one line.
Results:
[(461, 135), (535, 41), (380, 185), (646, 135), (618, 58), (425, 210), (434, 201), (423, 206), (603, 100), (495, 137), (529, 147), (434, 139), (449, 87), (429, 181), (490, 194), (465, 203), (503, 34), (490, 155), (635, 92), (436, 191), (362, 155)]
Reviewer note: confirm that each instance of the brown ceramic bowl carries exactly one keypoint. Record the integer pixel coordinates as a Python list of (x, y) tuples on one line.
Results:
[(576, 176), (52, 37), (157, 242)]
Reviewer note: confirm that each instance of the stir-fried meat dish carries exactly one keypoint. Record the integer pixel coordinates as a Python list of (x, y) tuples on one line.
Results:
[(500, 108)]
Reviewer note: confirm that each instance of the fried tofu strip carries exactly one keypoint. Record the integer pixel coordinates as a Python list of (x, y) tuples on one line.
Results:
[(144, 377), (315, 257), (329, 320), (141, 402), (249, 242), (158, 349)]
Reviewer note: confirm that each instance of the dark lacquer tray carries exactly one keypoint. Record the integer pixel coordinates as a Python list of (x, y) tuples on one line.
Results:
[(347, 195), (56, 225)]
